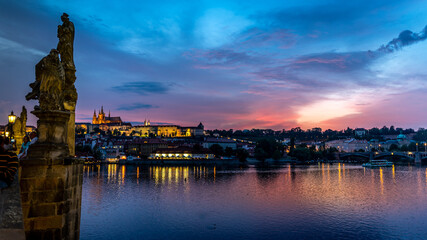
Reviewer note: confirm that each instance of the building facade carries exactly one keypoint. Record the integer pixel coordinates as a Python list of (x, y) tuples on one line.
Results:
[(102, 119)]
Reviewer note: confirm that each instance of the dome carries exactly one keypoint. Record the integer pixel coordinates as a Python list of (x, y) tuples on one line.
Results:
[(401, 137)]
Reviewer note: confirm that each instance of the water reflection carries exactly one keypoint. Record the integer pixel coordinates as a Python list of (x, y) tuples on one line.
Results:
[(255, 202)]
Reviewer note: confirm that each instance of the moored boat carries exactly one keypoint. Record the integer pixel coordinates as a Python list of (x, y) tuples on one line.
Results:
[(377, 163)]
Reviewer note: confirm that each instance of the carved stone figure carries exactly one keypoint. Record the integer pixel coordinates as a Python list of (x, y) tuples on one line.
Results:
[(66, 41), (65, 48), (19, 128), (49, 85)]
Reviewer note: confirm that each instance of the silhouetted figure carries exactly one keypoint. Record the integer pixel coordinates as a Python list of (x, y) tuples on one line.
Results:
[(8, 165)]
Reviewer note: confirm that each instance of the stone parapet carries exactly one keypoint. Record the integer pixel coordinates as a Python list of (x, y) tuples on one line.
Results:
[(51, 193)]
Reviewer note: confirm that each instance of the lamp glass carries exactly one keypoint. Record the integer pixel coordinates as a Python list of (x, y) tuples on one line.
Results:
[(12, 118)]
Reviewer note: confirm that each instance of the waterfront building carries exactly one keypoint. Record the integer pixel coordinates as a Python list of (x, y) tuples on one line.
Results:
[(144, 147), (181, 153), (348, 145)]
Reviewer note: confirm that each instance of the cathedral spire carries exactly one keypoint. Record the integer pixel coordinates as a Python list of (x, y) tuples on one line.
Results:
[(102, 109), (109, 114)]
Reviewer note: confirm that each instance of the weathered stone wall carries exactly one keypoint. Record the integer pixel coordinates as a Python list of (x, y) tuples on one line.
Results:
[(51, 198)]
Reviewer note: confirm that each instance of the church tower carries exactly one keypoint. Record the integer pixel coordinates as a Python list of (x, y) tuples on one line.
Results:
[(101, 116), (94, 119)]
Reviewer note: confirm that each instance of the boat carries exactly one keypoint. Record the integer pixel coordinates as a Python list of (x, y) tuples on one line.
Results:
[(377, 163)]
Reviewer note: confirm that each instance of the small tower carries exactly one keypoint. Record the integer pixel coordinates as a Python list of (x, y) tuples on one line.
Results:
[(101, 117), (94, 120)]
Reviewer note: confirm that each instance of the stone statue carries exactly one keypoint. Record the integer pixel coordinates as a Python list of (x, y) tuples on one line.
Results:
[(54, 89), (65, 48), (19, 128), (66, 41), (49, 85)]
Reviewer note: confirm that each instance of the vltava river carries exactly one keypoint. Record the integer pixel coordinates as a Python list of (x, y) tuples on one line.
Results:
[(323, 201)]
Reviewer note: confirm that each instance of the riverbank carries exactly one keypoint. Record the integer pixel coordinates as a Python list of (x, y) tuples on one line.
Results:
[(231, 162)]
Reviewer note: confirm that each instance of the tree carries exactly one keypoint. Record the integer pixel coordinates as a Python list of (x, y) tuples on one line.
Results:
[(393, 147), (276, 155), (97, 153), (302, 154), (260, 154), (116, 132), (217, 150), (242, 154), (412, 147), (292, 145), (404, 148), (228, 151), (268, 147)]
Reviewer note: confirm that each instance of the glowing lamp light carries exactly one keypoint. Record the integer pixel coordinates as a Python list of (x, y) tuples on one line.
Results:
[(6, 134), (12, 118)]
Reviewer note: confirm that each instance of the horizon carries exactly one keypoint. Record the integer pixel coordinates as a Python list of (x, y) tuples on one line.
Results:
[(230, 65)]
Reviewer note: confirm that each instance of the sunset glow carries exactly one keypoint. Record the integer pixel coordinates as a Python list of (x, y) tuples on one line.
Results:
[(237, 65)]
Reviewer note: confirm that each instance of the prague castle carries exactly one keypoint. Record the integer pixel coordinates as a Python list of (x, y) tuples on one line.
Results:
[(148, 130), (101, 119), (115, 124)]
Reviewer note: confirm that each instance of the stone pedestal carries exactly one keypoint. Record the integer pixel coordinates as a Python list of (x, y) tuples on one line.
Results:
[(52, 144), (52, 126), (51, 193), (51, 182)]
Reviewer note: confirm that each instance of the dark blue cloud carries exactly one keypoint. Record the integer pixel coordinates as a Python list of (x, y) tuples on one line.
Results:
[(143, 88), (405, 38), (135, 106)]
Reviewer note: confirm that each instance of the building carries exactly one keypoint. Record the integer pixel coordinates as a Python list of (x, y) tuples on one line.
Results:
[(84, 128), (223, 142), (348, 145), (102, 119), (148, 130), (117, 127), (144, 147), (360, 132), (181, 153)]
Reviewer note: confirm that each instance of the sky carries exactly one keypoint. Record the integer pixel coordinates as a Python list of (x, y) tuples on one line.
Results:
[(229, 64)]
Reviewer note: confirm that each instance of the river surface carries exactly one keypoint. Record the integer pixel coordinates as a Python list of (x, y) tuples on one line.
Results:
[(339, 201)]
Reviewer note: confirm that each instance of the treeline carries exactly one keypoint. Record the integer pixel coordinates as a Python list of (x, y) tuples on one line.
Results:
[(316, 134), (270, 148)]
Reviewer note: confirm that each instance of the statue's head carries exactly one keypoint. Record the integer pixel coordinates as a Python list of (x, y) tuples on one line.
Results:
[(53, 52), (64, 17)]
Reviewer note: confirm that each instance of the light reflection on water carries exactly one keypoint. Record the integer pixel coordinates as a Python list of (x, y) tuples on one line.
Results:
[(198, 202)]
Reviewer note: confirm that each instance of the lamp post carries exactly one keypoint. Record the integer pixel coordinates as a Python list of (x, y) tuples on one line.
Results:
[(12, 119)]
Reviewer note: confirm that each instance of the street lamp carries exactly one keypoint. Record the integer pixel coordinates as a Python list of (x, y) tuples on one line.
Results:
[(12, 118)]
